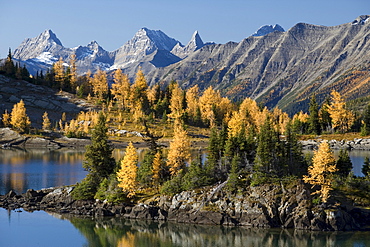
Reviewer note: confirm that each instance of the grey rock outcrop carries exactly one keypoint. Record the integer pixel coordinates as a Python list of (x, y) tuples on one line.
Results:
[(262, 206)]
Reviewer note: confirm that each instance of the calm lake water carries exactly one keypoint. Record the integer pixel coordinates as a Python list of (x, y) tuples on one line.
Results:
[(24, 169), (43, 229)]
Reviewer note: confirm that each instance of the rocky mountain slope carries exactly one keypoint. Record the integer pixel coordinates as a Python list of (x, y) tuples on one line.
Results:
[(37, 100), (282, 68), (148, 49)]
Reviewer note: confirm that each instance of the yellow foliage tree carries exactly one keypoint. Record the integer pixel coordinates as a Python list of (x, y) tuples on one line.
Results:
[(176, 104), (208, 103), (73, 67), (19, 119), (6, 119), (99, 84), (59, 72), (342, 119), (156, 168), (192, 101), (127, 174), (179, 151), (45, 121), (121, 88), (320, 173)]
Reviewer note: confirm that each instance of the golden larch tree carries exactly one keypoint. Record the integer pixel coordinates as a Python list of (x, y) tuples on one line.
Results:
[(208, 103), (192, 101), (19, 119), (157, 163), (342, 119), (59, 72), (100, 84), (127, 174), (45, 121), (121, 88), (72, 65), (179, 151), (176, 104), (6, 119), (321, 171)]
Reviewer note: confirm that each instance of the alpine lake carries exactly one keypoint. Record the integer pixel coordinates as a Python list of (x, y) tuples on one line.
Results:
[(42, 168)]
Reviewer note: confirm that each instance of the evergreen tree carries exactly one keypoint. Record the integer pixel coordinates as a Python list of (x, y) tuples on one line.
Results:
[(365, 128), (268, 151), (98, 161), (366, 167), (344, 164), (232, 183), (314, 122), (145, 170), (296, 164), (9, 66)]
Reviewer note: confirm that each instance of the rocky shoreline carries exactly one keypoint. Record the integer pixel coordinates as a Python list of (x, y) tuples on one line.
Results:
[(261, 206), (355, 144)]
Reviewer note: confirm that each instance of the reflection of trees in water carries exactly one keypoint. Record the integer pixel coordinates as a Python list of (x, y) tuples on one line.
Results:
[(125, 232)]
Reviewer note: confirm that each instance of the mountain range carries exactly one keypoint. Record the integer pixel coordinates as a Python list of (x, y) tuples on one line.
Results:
[(273, 66)]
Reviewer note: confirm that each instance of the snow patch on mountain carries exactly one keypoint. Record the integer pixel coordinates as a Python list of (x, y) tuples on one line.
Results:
[(46, 57), (266, 29)]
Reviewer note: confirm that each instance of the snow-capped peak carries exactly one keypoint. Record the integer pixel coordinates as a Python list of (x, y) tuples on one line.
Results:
[(266, 29)]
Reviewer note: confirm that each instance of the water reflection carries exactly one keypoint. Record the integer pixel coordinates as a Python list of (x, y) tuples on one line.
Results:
[(22, 169), (125, 232)]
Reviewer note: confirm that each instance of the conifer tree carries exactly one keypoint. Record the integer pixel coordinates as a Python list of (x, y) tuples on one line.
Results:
[(365, 128), (344, 163), (314, 121), (207, 105), (268, 151), (127, 174), (59, 73), (121, 89), (98, 161), (100, 85), (325, 119), (179, 151), (19, 119), (73, 72), (45, 121), (156, 169), (6, 119), (342, 119), (321, 170), (192, 102), (9, 66), (366, 167), (176, 105)]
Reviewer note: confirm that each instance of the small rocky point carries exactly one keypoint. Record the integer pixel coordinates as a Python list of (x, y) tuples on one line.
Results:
[(261, 206)]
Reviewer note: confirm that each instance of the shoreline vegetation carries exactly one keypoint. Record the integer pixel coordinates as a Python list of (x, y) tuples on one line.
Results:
[(255, 173)]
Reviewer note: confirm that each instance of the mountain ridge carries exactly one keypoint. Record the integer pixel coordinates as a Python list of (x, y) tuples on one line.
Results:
[(277, 68)]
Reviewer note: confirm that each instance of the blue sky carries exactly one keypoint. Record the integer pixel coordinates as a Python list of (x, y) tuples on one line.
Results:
[(112, 22)]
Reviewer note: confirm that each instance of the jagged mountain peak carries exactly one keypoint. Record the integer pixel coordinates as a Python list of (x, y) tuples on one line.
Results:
[(196, 40), (49, 35), (266, 29), (361, 20), (46, 42)]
